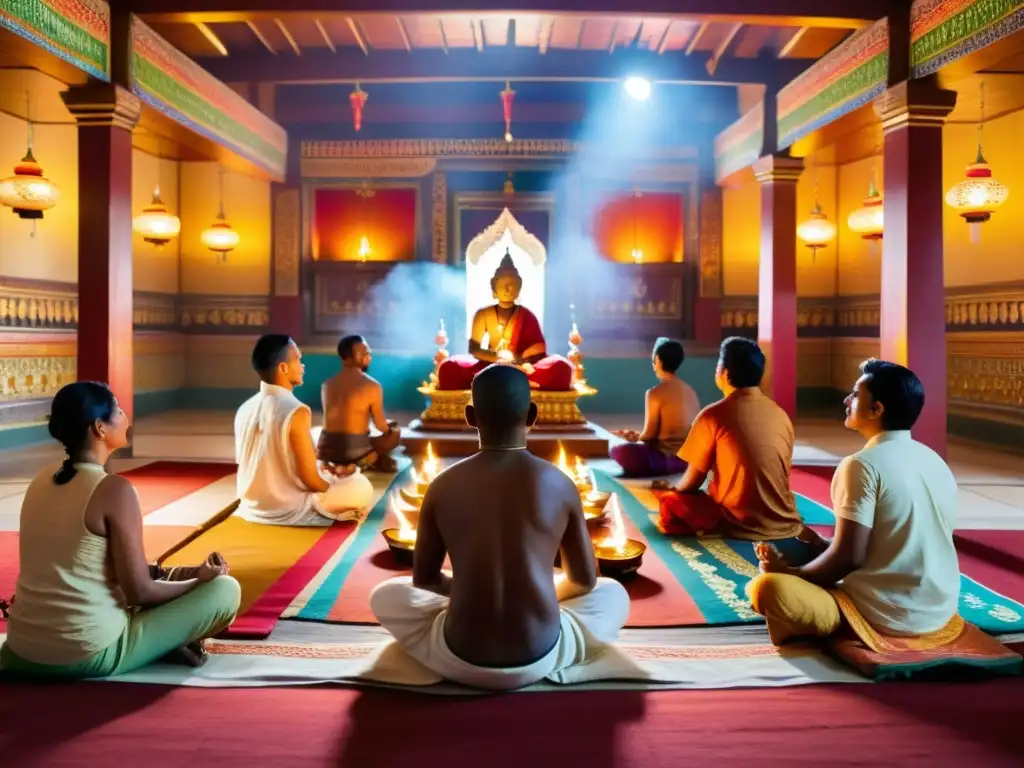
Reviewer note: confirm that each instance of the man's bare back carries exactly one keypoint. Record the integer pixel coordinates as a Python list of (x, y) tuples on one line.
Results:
[(349, 400), (502, 516), (676, 405)]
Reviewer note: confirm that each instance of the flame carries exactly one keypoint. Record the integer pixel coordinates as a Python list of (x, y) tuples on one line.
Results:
[(415, 477), (616, 538), (364, 248), (406, 533), (582, 476), (563, 463), (431, 466)]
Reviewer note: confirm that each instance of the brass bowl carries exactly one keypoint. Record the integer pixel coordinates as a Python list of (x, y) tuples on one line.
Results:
[(411, 497), (595, 499), (594, 518), (624, 565), (401, 550)]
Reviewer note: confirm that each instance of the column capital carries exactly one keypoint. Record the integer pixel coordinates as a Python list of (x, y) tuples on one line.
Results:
[(103, 104), (914, 103), (775, 169)]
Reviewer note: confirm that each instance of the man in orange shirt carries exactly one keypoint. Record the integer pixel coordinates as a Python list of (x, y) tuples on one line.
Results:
[(746, 441)]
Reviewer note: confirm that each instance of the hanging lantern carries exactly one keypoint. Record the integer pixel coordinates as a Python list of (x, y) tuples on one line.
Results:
[(867, 220), (817, 231), (977, 196), (156, 224), (506, 104), (28, 192), (219, 237), (358, 99)]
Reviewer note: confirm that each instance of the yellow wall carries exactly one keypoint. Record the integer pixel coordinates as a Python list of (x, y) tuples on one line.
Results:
[(247, 208), (155, 267), (52, 253), (741, 234), (996, 258)]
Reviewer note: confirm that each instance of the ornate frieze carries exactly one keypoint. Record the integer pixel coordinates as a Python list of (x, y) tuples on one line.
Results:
[(711, 243), (942, 31), (439, 208), (287, 223), (366, 167), (156, 311), (23, 377), (224, 314), (38, 304), (441, 148), (77, 31)]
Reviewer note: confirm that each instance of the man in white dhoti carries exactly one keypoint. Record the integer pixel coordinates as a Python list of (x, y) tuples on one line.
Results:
[(502, 621), (279, 481)]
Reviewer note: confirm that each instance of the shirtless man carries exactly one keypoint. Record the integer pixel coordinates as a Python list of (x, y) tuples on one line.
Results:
[(278, 478), (669, 409), (352, 400), (502, 620)]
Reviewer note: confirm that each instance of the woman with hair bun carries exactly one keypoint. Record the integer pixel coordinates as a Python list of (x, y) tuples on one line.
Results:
[(87, 603)]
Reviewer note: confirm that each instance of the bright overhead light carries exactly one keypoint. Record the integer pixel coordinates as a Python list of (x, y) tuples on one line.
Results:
[(638, 88)]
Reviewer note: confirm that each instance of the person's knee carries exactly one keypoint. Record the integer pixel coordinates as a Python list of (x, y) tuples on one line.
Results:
[(766, 592), (225, 593), (614, 599), (389, 594)]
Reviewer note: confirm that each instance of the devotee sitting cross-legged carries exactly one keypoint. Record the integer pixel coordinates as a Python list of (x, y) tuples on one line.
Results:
[(279, 481), (501, 620), (86, 602), (892, 568), (351, 400), (669, 409), (745, 441)]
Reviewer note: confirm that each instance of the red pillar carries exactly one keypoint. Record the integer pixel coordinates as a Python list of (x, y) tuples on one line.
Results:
[(776, 289), (913, 317), (106, 115)]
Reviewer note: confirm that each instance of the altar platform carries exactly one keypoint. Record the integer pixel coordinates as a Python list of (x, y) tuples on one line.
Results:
[(587, 441)]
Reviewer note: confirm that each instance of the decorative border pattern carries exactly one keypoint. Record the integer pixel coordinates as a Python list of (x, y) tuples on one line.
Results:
[(287, 220), (202, 313), (439, 217), (77, 31), (843, 80), (173, 84), (438, 148), (740, 144), (942, 31)]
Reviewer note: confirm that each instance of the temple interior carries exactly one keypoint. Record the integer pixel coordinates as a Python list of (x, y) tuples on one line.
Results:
[(185, 176)]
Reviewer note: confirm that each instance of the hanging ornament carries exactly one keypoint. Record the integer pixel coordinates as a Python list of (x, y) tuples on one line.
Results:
[(28, 193), (358, 99), (977, 196), (156, 223), (219, 237), (508, 187), (506, 104), (867, 221), (817, 231)]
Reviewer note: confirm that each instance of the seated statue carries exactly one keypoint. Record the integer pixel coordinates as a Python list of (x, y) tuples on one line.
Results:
[(279, 482), (501, 620), (514, 336), (895, 502)]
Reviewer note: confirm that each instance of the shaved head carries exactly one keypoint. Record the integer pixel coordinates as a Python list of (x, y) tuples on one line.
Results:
[(501, 398)]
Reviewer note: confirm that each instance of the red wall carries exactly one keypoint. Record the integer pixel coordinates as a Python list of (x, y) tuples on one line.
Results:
[(342, 217)]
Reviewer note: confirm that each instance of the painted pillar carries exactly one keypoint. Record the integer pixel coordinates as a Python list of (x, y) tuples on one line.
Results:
[(106, 113), (286, 313), (913, 317), (707, 310), (776, 289)]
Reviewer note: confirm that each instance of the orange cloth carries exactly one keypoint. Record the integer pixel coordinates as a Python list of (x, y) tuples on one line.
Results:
[(746, 441)]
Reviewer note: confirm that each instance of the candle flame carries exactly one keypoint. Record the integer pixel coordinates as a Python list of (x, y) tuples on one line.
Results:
[(563, 463), (431, 466), (364, 248), (616, 538), (415, 476), (406, 533)]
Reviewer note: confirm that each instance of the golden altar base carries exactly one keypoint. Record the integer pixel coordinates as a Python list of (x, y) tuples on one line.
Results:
[(446, 409)]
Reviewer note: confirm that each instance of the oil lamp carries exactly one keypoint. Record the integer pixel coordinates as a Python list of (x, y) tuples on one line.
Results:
[(421, 479), (618, 556), (401, 539)]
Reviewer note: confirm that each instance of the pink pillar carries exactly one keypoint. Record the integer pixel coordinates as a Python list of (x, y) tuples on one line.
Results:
[(776, 290), (913, 316)]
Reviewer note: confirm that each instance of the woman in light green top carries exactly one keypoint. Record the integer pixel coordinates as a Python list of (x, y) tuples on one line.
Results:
[(86, 603)]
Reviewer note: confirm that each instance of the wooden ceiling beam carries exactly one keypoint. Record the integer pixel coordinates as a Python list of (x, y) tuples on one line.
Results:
[(323, 33), (357, 33), (845, 14), (498, 64), (697, 36), (719, 52), (663, 43), (545, 36), (405, 33), (288, 37), (790, 44), (211, 38), (261, 37)]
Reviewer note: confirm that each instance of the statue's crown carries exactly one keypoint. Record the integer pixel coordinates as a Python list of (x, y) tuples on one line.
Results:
[(507, 267)]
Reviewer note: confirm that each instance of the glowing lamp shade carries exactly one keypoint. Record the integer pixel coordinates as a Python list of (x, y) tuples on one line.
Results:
[(219, 237), (977, 196), (638, 88), (27, 192), (156, 224), (867, 221), (817, 231)]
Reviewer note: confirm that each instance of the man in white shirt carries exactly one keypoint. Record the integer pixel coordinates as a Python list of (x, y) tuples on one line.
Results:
[(279, 481), (891, 569)]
